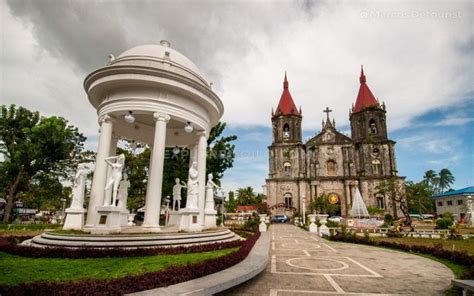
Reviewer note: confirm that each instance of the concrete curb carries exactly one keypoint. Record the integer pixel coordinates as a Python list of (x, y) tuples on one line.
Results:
[(251, 266)]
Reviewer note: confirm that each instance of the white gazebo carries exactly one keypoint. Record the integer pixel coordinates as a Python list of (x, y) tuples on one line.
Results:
[(155, 95)]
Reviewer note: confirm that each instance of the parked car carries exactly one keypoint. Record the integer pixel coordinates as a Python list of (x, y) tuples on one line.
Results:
[(279, 219)]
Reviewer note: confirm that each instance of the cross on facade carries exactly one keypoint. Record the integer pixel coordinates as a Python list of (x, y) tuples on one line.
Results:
[(327, 110)]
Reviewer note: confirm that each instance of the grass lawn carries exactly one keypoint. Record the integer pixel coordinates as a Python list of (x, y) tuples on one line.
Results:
[(459, 245), (25, 229), (15, 269)]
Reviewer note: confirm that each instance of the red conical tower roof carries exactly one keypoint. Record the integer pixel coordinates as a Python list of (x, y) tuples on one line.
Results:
[(365, 98), (286, 106)]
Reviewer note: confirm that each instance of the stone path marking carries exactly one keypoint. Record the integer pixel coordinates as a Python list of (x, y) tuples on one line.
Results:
[(304, 264)]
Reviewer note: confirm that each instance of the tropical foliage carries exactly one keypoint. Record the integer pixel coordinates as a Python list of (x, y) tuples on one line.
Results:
[(220, 157), (321, 205), (440, 182), (394, 190), (419, 197), (37, 153)]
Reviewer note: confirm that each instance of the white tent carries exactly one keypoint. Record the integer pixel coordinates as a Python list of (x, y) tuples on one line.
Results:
[(358, 206)]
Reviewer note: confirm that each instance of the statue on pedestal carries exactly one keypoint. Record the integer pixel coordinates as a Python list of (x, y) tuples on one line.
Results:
[(122, 195), (115, 176), (210, 186), (177, 193), (79, 187), (193, 187)]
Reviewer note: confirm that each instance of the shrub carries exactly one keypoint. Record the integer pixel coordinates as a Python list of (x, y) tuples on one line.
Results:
[(448, 215), (332, 224), (252, 224), (388, 219), (9, 245), (134, 283), (443, 223)]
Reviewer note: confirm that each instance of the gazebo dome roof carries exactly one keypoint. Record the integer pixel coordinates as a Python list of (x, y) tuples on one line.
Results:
[(156, 55)]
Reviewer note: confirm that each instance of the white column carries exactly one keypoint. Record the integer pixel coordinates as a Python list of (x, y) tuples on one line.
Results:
[(100, 170), (155, 179), (201, 159), (192, 154), (112, 152)]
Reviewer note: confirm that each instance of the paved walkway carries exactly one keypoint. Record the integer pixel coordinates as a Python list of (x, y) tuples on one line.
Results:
[(305, 264)]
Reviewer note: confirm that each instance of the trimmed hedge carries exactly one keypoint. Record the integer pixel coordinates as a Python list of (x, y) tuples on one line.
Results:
[(462, 258), (130, 284), (10, 246)]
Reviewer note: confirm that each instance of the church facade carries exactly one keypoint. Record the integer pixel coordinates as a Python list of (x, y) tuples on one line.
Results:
[(330, 163)]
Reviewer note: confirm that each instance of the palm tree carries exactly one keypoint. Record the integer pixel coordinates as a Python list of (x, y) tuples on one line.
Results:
[(430, 178), (246, 196), (446, 178)]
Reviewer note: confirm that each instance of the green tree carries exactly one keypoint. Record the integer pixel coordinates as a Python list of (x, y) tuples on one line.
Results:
[(431, 178), (446, 178), (419, 197), (137, 160), (231, 205), (246, 196), (220, 157), (31, 145), (394, 190)]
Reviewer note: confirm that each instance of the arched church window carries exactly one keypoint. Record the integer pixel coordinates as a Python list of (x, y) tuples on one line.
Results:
[(287, 169), (372, 127), (286, 131), (331, 167), (376, 167), (380, 201), (288, 200)]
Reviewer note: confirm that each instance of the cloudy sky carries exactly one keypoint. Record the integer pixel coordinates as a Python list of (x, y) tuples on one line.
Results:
[(417, 55)]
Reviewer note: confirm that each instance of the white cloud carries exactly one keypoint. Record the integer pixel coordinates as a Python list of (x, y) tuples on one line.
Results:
[(417, 54), (454, 121)]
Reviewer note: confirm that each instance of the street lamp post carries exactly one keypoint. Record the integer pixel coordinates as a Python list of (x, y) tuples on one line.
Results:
[(304, 206), (222, 208)]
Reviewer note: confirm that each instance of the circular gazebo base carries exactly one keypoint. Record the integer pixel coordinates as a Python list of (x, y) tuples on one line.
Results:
[(132, 239)]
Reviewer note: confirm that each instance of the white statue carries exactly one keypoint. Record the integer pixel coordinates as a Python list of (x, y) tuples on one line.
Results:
[(193, 187), (78, 188), (210, 186), (177, 193), (115, 176), (122, 195)]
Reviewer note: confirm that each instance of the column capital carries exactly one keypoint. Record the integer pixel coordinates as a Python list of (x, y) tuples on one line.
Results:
[(202, 133), (105, 118), (161, 117)]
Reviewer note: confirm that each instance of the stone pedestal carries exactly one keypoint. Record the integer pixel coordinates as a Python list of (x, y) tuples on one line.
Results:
[(312, 225), (130, 218), (109, 220), (124, 217), (74, 219), (323, 229), (175, 218), (262, 227), (189, 220), (297, 221), (210, 218)]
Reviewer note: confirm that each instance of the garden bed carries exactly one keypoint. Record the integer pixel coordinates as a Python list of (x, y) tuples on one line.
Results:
[(460, 245), (146, 272)]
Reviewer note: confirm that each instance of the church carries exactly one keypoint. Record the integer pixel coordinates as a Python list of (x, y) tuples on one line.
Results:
[(330, 163)]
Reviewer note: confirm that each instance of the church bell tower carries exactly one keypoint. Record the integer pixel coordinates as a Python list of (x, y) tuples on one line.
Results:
[(374, 151), (285, 152), (368, 121), (286, 120)]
